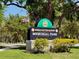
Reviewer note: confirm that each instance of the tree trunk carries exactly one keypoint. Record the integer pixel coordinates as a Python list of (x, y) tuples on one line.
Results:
[(49, 9)]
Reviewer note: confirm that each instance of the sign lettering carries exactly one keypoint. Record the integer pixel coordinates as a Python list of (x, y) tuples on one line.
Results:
[(43, 33)]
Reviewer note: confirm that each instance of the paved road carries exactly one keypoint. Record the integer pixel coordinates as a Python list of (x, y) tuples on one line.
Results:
[(76, 45), (10, 46)]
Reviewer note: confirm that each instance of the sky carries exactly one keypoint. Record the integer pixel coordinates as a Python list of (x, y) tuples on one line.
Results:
[(13, 10)]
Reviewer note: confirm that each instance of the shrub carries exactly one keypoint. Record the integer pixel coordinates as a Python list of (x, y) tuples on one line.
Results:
[(63, 45), (70, 30), (40, 44)]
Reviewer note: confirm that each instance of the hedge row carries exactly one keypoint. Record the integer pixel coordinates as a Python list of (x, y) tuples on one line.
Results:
[(57, 45)]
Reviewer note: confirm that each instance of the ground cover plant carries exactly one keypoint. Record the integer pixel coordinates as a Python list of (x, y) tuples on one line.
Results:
[(63, 45)]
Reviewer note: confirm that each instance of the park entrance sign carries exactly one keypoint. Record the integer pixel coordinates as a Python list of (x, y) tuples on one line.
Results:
[(49, 33), (44, 29), (45, 23)]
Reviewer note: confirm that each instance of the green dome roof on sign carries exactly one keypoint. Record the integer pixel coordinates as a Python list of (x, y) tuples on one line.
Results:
[(45, 23)]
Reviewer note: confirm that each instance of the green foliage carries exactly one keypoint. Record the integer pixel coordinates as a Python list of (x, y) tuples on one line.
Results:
[(61, 48), (63, 45), (15, 28), (70, 30), (1, 16), (60, 9), (64, 40), (40, 44)]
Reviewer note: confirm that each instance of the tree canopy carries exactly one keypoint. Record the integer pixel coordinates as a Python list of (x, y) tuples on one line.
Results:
[(46, 8), (65, 14)]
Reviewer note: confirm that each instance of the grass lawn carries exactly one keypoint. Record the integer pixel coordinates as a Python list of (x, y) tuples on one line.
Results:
[(19, 54)]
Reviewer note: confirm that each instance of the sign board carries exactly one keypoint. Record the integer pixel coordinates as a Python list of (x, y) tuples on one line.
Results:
[(49, 33), (45, 23)]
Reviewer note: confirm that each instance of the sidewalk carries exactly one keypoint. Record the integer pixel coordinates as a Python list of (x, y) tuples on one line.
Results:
[(10, 46)]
